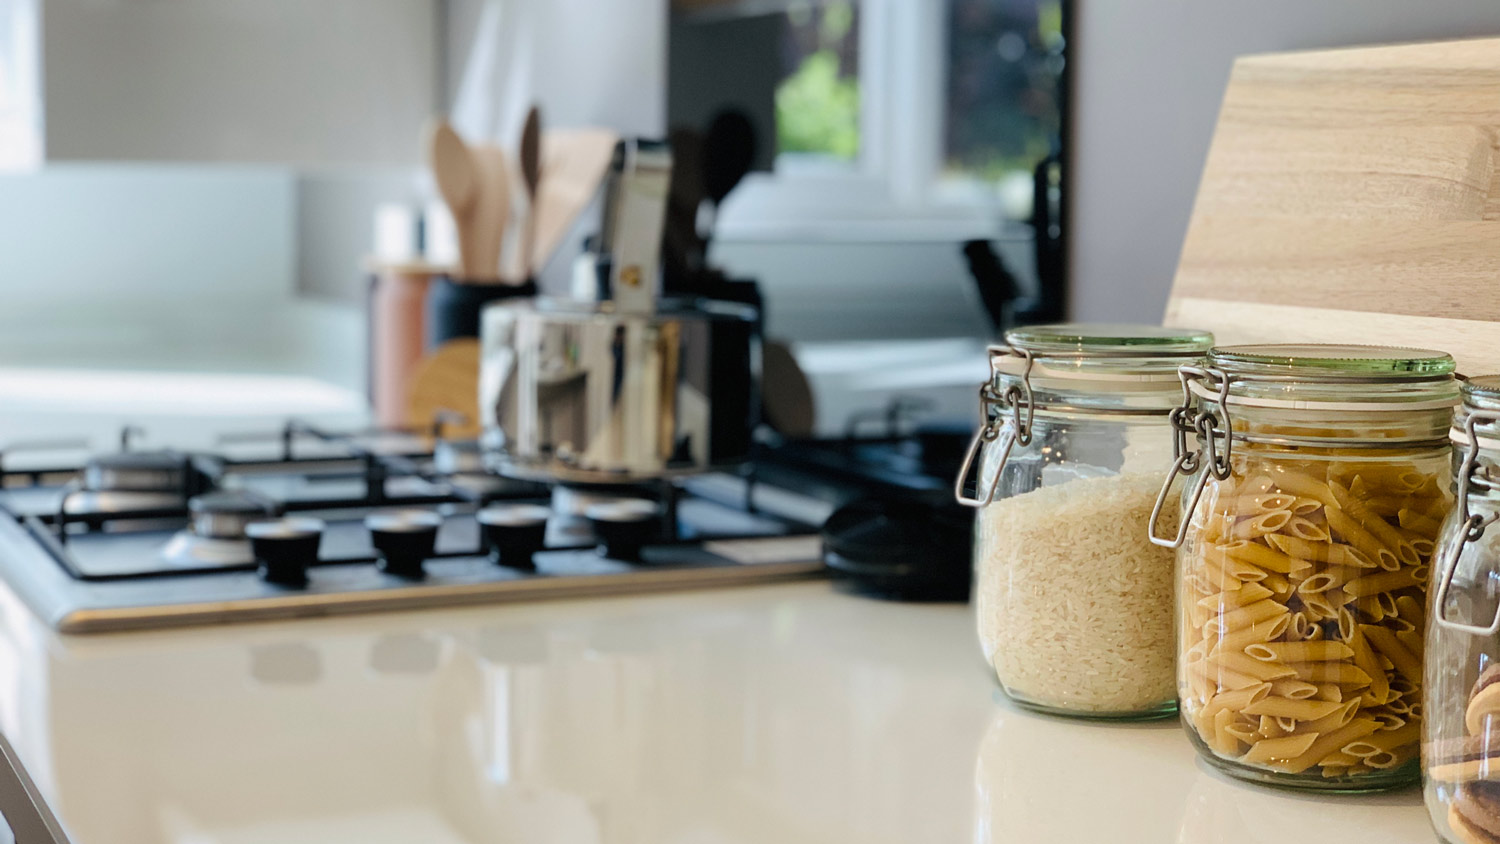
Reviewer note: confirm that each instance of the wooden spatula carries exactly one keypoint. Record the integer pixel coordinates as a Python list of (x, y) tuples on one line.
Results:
[(491, 213), (457, 180), (531, 175), (573, 165)]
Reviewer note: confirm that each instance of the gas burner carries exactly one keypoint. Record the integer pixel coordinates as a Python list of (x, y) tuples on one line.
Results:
[(224, 515), (189, 550), (136, 471), (372, 519)]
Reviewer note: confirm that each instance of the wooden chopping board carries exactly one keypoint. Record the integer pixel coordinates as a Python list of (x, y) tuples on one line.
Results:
[(1352, 196), (447, 381)]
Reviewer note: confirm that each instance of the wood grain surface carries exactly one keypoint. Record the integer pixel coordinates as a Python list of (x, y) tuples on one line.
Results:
[(447, 381), (1353, 196)]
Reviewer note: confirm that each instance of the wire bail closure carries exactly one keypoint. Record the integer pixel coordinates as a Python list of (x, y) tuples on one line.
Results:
[(994, 426), (1473, 527), (1205, 424)]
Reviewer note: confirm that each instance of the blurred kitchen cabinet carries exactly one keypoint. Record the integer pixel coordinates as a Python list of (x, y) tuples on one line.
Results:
[(344, 82)]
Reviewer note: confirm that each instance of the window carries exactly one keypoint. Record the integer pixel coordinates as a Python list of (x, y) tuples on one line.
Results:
[(817, 101), (928, 114)]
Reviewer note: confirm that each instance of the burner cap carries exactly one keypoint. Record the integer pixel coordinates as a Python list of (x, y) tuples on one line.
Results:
[(226, 504), (907, 549), (513, 515), (290, 528), (225, 515), (404, 521), (624, 510)]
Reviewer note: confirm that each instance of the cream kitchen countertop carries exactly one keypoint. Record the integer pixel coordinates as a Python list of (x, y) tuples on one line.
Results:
[(784, 714)]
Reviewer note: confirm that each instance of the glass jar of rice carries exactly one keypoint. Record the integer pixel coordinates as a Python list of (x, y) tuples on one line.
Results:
[(1461, 730), (1072, 602), (1315, 480)]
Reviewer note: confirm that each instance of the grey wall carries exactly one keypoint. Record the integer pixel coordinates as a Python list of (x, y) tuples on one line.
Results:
[(1149, 77)]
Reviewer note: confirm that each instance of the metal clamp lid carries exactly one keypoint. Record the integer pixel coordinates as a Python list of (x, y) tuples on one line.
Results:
[(993, 426), (1186, 461), (1473, 527)]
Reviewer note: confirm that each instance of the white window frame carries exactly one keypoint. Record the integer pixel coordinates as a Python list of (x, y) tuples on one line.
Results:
[(897, 188)]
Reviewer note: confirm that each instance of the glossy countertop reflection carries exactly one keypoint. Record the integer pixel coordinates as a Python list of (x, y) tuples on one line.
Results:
[(778, 714)]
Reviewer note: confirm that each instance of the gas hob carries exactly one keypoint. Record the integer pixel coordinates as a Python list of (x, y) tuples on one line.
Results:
[(306, 522)]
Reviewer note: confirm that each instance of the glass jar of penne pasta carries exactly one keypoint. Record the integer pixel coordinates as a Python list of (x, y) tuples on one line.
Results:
[(1461, 730), (1317, 477), (1073, 604)]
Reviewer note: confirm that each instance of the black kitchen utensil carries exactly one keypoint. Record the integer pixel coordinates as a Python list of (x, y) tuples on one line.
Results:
[(997, 286), (682, 248), (914, 548), (728, 154), (531, 176), (452, 308)]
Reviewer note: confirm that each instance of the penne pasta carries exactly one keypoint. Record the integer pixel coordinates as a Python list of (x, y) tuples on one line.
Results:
[(1319, 552), (1256, 504), (1355, 535), (1386, 581), (1273, 750), (1264, 557), (1377, 527), (1258, 526), (1325, 744), (1264, 671), (1418, 522), (1300, 710), (1385, 740), (1385, 642), (1220, 602), (1304, 528), (1261, 631), (1295, 689), (1299, 651), (1329, 672), (1312, 610)]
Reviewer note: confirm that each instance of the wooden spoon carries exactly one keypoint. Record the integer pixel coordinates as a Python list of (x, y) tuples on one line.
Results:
[(491, 212), (454, 170), (573, 165), (531, 174)]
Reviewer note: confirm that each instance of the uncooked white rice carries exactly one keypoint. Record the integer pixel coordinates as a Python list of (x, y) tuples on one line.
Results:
[(1074, 603)]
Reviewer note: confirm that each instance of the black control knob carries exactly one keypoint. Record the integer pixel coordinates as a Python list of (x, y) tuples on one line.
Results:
[(404, 540), (514, 532), (623, 527), (284, 548)]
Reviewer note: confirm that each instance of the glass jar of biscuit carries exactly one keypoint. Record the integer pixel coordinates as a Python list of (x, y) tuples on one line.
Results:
[(1461, 731), (1311, 481), (1073, 604)]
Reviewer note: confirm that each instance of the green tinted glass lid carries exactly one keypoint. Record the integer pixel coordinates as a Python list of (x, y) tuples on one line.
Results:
[(1109, 338), (1314, 360)]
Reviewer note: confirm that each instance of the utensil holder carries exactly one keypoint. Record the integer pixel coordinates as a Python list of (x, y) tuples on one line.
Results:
[(453, 306)]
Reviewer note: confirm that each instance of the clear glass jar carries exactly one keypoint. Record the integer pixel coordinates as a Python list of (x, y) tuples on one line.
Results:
[(1461, 731), (1072, 603), (1311, 507)]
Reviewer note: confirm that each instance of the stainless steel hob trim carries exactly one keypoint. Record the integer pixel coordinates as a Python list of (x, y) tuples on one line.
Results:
[(431, 596)]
